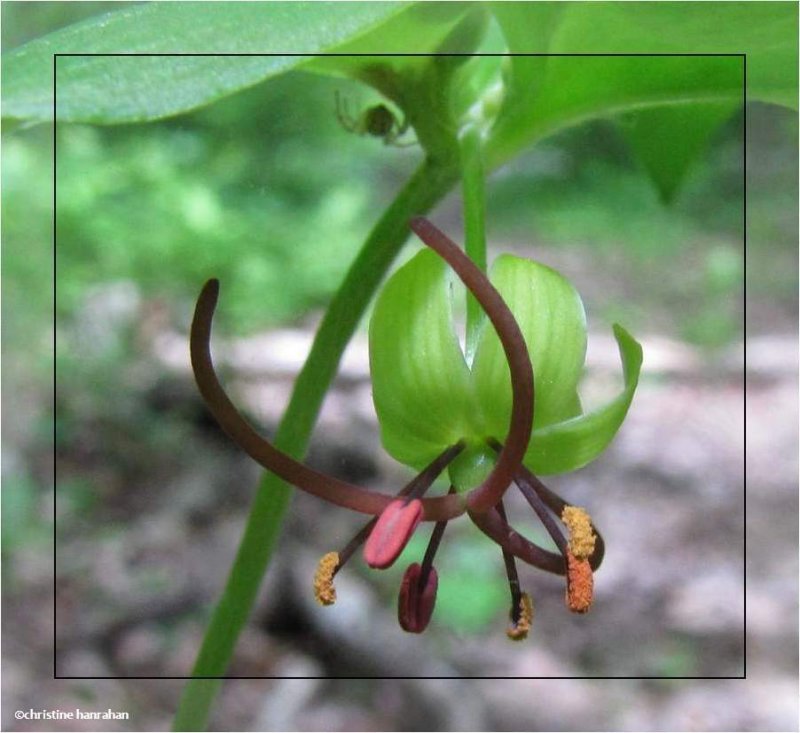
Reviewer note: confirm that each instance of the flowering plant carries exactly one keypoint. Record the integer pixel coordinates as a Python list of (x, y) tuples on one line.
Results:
[(435, 412)]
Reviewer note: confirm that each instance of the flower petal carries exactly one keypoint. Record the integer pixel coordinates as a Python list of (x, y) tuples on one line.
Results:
[(420, 381), (550, 315), (573, 443)]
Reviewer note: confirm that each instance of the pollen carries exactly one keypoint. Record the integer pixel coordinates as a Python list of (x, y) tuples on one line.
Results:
[(519, 629), (324, 591), (580, 584), (581, 534)]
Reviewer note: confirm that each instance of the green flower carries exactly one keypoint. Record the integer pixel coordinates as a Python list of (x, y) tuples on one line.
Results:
[(428, 397), (478, 422)]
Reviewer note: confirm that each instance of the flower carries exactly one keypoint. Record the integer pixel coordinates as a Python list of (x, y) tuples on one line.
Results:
[(477, 421)]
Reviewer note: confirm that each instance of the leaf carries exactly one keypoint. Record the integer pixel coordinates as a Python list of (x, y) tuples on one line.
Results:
[(668, 140), (572, 444), (548, 93), (115, 89), (420, 380), (439, 38), (418, 30), (574, 89), (550, 315)]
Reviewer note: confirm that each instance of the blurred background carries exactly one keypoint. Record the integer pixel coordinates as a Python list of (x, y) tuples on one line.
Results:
[(267, 191)]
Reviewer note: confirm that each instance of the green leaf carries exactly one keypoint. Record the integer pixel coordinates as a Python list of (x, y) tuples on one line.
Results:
[(571, 444), (420, 29), (550, 315), (574, 89), (668, 140), (420, 381), (549, 93), (439, 37), (115, 89)]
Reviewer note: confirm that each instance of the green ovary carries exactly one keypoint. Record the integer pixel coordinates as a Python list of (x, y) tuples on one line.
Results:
[(472, 466)]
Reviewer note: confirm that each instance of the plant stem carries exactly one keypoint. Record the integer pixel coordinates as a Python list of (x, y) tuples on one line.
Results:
[(472, 184), (427, 186)]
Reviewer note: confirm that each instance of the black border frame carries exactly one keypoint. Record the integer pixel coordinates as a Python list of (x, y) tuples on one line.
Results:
[(742, 56)]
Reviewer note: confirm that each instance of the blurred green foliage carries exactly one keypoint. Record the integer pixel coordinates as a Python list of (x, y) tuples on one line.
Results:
[(269, 194), (589, 172), (274, 199), (584, 190)]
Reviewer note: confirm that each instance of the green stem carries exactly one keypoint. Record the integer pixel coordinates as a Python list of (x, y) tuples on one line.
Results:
[(472, 184), (426, 187)]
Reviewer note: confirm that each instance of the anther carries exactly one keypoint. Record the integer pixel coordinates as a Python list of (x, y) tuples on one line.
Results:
[(392, 532), (580, 584), (581, 535), (417, 598), (521, 613), (521, 618), (333, 562), (557, 505), (324, 590), (418, 589)]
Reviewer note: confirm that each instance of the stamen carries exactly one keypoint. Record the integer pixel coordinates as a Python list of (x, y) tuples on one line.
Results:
[(521, 619), (392, 532), (355, 543), (521, 607), (420, 582), (397, 522), (541, 511), (581, 537), (324, 590), (522, 479), (433, 545), (580, 584), (557, 505), (495, 527), (417, 599)]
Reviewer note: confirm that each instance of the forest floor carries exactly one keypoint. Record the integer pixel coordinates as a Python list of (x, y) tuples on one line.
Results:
[(139, 571)]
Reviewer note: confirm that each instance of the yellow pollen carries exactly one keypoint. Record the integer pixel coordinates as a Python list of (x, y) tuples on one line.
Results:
[(580, 584), (519, 630), (324, 591), (581, 535)]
